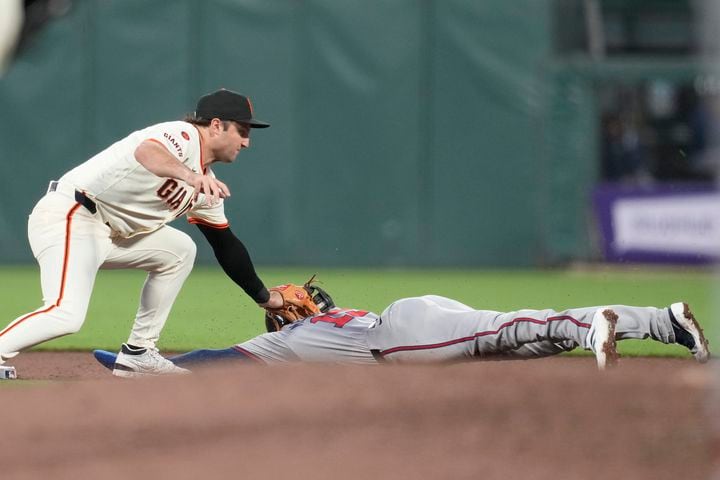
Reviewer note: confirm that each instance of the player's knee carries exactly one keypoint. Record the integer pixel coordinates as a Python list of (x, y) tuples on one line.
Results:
[(190, 252), (72, 327), (184, 251), (186, 248), (68, 320)]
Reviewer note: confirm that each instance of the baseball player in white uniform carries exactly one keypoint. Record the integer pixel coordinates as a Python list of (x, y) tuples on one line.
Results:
[(113, 212), (438, 329)]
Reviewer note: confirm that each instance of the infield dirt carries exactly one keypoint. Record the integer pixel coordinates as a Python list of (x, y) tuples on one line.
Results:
[(543, 419)]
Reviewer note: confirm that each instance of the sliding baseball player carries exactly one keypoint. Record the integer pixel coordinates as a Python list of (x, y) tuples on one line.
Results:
[(438, 329)]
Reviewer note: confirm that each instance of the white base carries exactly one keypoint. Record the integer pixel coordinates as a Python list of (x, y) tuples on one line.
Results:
[(7, 373)]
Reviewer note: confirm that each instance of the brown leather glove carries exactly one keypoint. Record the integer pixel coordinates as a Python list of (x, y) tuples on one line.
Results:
[(298, 302)]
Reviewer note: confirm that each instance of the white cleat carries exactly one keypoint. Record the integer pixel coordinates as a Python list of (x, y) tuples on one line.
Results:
[(603, 343), (147, 363), (689, 333)]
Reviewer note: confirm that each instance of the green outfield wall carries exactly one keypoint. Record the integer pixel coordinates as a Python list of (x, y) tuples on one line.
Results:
[(404, 132)]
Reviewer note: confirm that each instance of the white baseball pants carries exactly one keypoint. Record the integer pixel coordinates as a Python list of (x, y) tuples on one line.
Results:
[(70, 245)]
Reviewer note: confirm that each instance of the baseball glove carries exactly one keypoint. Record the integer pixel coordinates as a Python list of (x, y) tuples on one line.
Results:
[(298, 302)]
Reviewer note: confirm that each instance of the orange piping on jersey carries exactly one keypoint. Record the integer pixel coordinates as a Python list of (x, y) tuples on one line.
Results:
[(200, 221), (202, 152), (63, 277)]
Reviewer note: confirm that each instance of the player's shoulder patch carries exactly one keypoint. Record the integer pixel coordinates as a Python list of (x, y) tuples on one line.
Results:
[(177, 137), (172, 140)]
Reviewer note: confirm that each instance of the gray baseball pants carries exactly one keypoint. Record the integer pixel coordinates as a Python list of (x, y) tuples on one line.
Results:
[(434, 328)]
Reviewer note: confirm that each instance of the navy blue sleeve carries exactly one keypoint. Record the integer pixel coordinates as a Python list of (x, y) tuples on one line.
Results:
[(204, 357)]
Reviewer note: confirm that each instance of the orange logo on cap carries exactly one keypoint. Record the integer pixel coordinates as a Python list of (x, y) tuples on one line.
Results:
[(185, 135)]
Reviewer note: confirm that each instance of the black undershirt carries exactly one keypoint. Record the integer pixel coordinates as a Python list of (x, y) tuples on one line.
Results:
[(235, 260)]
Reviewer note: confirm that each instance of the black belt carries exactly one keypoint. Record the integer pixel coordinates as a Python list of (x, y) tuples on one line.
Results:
[(83, 200), (80, 197), (377, 356)]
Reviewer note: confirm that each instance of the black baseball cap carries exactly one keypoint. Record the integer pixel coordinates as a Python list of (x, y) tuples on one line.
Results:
[(228, 105)]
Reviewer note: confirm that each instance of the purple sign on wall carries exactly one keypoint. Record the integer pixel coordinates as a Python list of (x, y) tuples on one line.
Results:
[(670, 223)]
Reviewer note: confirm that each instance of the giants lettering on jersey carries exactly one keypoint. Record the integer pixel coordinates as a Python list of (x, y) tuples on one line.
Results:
[(173, 194), (174, 143)]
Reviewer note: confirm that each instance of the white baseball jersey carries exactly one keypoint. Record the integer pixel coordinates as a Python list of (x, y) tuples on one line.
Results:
[(339, 335), (131, 199)]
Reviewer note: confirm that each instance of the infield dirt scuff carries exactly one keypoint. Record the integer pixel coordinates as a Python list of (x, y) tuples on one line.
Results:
[(555, 418)]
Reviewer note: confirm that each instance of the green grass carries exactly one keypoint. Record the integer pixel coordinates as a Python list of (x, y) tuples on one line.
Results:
[(212, 312)]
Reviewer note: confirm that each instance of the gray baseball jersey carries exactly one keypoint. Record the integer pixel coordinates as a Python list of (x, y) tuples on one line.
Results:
[(434, 328), (339, 335)]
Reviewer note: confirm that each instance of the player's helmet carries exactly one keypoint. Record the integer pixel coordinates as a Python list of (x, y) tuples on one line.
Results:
[(275, 322)]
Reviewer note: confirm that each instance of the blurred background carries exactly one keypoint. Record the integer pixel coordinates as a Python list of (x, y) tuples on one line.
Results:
[(404, 133)]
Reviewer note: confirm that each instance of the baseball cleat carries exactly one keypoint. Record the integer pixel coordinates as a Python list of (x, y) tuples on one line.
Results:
[(105, 358), (688, 332), (143, 362), (604, 344)]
